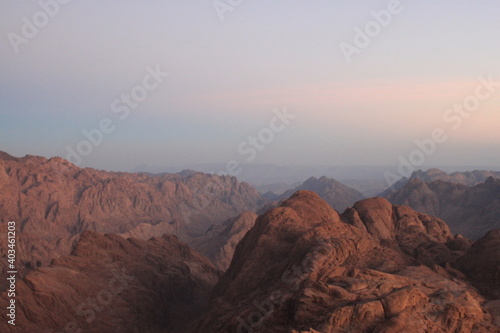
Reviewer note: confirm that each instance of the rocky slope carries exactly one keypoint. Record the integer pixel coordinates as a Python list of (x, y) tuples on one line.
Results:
[(336, 194), (375, 268), (470, 211), (109, 284), (53, 201), (220, 241)]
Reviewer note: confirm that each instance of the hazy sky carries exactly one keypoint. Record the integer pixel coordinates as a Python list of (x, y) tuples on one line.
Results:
[(227, 76)]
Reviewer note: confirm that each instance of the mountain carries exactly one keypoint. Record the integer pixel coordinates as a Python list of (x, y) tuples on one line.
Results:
[(470, 211), (110, 284), (53, 202), (219, 243), (375, 268), (467, 178), (336, 194)]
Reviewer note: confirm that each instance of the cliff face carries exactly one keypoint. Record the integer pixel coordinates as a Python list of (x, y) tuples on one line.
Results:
[(336, 194), (375, 268), (109, 284), (470, 211), (53, 201)]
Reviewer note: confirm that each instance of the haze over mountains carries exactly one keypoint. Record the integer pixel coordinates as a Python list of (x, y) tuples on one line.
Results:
[(368, 180), (195, 252)]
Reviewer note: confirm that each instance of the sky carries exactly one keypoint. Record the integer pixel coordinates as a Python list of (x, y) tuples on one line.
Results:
[(263, 81)]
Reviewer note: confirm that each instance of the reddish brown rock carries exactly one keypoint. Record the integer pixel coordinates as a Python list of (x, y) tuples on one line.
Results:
[(110, 284), (53, 201), (376, 268)]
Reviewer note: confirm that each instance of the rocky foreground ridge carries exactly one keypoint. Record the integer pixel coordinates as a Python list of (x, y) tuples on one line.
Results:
[(375, 268)]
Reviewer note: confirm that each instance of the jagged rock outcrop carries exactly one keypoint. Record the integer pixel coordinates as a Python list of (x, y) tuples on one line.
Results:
[(470, 211), (336, 194), (53, 201), (219, 243), (375, 268), (110, 284)]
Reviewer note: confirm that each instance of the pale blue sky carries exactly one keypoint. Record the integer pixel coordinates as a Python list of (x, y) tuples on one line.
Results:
[(225, 78)]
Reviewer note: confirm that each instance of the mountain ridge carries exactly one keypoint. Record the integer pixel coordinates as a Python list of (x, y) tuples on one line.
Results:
[(53, 201)]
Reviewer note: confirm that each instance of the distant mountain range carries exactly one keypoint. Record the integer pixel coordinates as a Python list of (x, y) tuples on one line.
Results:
[(469, 202), (265, 174), (468, 178), (369, 180)]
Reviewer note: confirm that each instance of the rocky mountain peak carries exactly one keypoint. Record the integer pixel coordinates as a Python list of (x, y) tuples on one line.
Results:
[(378, 267)]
